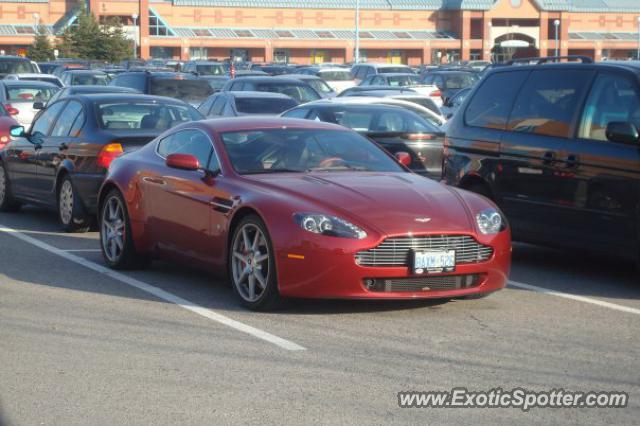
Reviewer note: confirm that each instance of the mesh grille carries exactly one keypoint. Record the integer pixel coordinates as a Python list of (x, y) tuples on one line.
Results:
[(445, 282)]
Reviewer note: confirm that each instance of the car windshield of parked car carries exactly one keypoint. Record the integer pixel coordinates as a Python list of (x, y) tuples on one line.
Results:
[(335, 75), (372, 119), (301, 93), (403, 80), (149, 116), (29, 93), (8, 66), (210, 69), (304, 150), (460, 81), (320, 86), (264, 105), (388, 70), (90, 79), (183, 89)]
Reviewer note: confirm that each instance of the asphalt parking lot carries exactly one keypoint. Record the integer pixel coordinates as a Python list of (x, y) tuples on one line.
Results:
[(168, 345)]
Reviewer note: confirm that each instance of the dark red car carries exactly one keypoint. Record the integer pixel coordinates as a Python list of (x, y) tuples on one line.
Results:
[(6, 123), (296, 208)]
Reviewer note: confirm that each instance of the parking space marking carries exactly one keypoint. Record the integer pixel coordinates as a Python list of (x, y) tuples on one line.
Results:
[(157, 292), (82, 250), (584, 299)]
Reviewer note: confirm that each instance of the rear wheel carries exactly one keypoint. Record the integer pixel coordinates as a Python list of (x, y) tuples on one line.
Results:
[(71, 213), (116, 242), (252, 265), (7, 202)]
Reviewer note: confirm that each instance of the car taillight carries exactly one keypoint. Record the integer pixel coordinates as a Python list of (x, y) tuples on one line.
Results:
[(436, 94), (419, 136), (11, 110), (108, 153), (4, 140)]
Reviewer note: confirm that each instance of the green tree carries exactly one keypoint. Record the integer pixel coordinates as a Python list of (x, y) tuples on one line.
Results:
[(41, 49), (115, 44)]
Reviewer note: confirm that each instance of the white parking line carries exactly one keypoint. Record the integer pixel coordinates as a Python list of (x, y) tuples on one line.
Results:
[(82, 250), (158, 292), (584, 299)]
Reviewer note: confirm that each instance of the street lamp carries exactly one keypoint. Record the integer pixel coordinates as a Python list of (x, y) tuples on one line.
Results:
[(357, 53), (556, 24), (135, 35), (36, 19)]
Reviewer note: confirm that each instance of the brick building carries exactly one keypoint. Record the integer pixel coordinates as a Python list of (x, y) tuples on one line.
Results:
[(307, 31)]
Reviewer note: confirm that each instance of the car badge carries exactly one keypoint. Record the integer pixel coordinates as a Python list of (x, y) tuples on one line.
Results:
[(423, 219)]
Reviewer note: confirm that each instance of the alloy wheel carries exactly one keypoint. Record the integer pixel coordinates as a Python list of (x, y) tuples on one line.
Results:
[(66, 202), (113, 229), (250, 262)]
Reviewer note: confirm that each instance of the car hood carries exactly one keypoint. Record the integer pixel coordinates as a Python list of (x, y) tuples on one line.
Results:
[(390, 203)]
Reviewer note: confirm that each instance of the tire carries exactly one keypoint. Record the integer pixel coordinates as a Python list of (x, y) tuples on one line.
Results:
[(115, 225), (7, 202), (246, 265), (71, 212)]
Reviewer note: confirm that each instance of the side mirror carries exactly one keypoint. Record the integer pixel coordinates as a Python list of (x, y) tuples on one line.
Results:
[(183, 162), (623, 132), (403, 158), (17, 131), (38, 105)]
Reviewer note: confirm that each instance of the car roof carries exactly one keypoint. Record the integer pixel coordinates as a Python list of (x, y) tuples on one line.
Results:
[(398, 74), (355, 101), (633, 66), (96, 97), (255, 94), (91, 88), (305, 77), (72, 71), (34, 74), (332, 69), (381, 65), (269, 79), (28, 83), (262, 122)]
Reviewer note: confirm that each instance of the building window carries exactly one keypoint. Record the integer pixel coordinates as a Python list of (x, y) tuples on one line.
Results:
[(157, 27), (284, 34), (25, 30), (365, 34), (243, 33), (201, 32), (281, 56), (401, 34), (325, 34)]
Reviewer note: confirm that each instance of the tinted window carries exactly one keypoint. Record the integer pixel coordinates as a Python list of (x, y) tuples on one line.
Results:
[(612, 98), (335, 75), (459, 81), (186, 90), (320, 86), (264, 105), (210, 69), (548, 102), (140, 115), (89, 79), (218, 106), (387, 70), (402, 80), (376, 119), (301, 93), (135, 81), (66, 119), (297, 113), (45, 120), (16, 66), (492, 101), (206, 105), (295, 150), (192, 142)]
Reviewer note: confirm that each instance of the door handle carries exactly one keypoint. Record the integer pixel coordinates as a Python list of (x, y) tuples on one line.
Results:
[(572, 161), (548, 158)]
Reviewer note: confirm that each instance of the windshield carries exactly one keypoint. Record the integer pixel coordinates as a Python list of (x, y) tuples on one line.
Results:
[(388, 70), (304, 150), (90, 80), (301, 93), (402, 80), (17, 66), (320, 86), (210, 69), (29, 93), (272, 106), (134, 115), (460, 81), (335, 75), (186, 90)]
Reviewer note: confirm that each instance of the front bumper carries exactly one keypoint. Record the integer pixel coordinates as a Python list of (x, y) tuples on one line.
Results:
[(311, 271)]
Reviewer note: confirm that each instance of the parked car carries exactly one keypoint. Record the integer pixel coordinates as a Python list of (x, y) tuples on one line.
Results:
[(16, 65), (272, 69), (450, 82), (301, 198), (85, 77), (317, 83), (85, 90), (557, 147), (363, 70), (48, 78), (292, 87), (399, 80), (204, 68), (453, 103), (338, 79), (183, 86), (61, 161), (393, 93), (234, 104), (359, 90), (393, 127), (47, 67), (6, 124), (21, 97)]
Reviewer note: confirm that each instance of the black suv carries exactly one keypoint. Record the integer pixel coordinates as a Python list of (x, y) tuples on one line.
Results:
[(556, 146)]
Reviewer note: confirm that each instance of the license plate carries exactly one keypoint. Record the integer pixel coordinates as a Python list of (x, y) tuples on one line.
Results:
[(434, 261)]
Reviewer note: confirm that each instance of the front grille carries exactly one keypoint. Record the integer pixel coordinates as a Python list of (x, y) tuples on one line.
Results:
[(442, 282), (396, 251)]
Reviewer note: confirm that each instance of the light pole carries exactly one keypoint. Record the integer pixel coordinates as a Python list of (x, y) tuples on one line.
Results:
[(135, 35), (357, 53), (36, 20), (556, 24)]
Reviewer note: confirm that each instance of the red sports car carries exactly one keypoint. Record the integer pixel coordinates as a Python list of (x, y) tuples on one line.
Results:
[(297, 208)]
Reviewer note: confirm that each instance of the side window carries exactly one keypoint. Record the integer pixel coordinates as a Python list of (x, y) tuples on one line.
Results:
[(428, 79), (206, 105), (189, 141), (78, 123), (548, 102), (217, 107), (43, 122), (362, 73), (612, 98), (438, 81), (66, 119), (297, 113), (378, 81), (491, 104)]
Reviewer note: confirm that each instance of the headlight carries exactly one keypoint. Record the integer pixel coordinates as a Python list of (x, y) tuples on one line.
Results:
[(490, 221), (328, 225)]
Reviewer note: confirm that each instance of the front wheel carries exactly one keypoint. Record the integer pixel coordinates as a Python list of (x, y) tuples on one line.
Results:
[(7, 202), (116, 242), (252, 265), (71, 213)]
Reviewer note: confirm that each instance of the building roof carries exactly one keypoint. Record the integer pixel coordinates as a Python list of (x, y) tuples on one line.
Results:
[(293, 34)]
